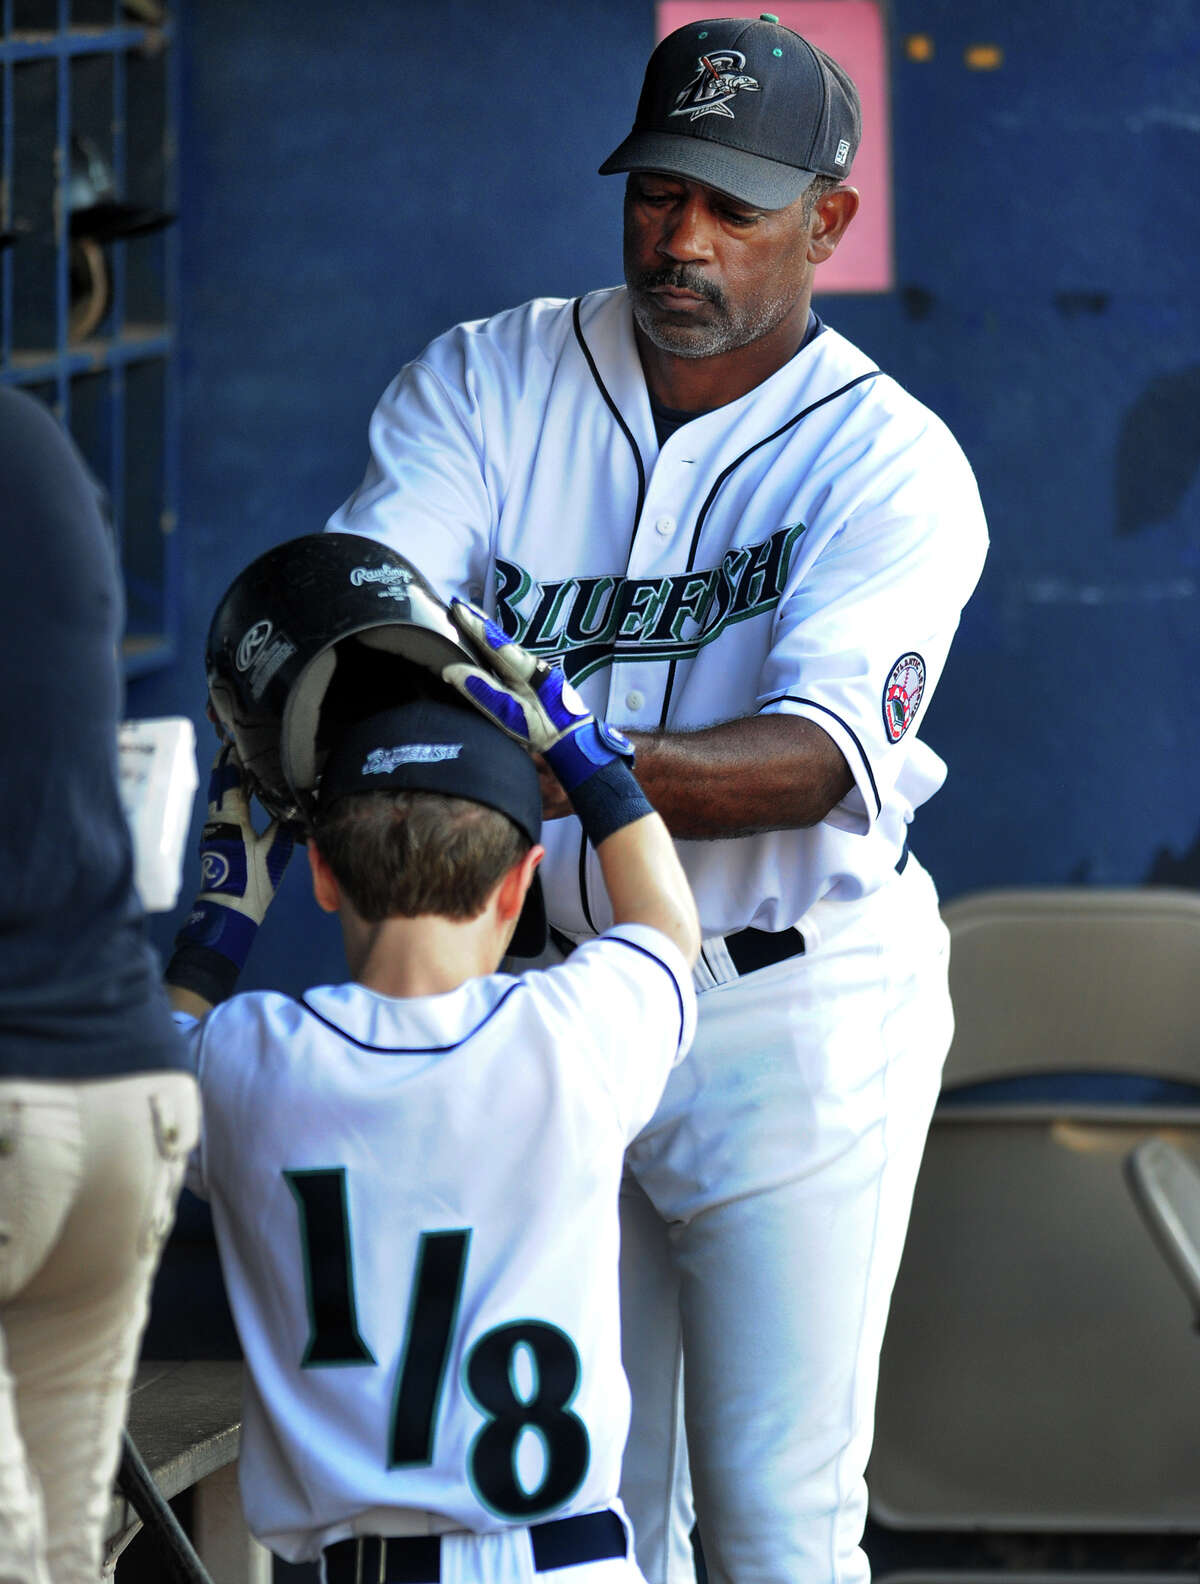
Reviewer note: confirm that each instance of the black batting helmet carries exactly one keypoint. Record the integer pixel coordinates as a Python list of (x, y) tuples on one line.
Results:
[(317, 633)]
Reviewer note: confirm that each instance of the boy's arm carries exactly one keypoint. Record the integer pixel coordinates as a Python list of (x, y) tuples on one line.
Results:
[(240, 873), (187, 1001), (535, 704), (646, 883)]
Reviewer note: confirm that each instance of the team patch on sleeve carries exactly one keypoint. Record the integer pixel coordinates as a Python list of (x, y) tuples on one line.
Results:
[(902, 695)]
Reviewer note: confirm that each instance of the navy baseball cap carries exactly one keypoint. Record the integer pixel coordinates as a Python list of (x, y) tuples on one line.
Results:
[(747, 107), (430, 746)]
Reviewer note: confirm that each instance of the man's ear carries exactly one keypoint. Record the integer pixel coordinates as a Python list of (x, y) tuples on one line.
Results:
[(324, 882), (831, 218)]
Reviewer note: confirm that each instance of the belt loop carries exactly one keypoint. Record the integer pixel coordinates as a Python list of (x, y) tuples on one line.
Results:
[(714, 966), (369, 1560)]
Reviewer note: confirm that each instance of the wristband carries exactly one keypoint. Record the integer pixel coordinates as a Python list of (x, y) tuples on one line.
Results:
[(204, 971), (609, 799), (211, 949)]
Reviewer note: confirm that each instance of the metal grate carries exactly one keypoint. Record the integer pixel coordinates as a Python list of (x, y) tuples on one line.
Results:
[(89, 266)]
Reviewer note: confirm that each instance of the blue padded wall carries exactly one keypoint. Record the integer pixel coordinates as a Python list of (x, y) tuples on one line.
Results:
[(357, 178)]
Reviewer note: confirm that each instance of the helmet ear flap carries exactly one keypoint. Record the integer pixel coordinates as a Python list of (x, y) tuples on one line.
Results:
[(301, 719), (222, 706), (257, 745)]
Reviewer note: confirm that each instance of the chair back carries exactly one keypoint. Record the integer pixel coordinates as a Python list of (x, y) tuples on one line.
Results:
[(1035, 1374)]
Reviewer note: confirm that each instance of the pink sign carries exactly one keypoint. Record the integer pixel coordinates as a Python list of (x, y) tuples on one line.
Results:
[(852, 32)]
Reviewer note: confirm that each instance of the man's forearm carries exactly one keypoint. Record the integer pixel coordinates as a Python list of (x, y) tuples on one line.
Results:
[(765, 772)]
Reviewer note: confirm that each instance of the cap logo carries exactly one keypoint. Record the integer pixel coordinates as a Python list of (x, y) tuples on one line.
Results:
[(719, 76), (382, 760), (843, 153)]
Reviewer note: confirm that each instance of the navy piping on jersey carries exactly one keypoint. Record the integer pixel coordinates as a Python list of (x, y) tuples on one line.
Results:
[(406, 1050), (696, 532), (757, 446), (619, 940), (719, 481), (641, 497), (583, 883), (616, 412), (669, 420), (846, 727)]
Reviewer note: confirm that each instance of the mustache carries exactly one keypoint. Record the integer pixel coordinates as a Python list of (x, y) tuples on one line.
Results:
[(680, 278)]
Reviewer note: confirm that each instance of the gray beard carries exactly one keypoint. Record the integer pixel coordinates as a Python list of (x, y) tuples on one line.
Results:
[(712, 339)]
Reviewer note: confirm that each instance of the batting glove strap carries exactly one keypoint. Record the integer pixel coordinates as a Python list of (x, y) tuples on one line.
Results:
[(211, 949), (533, 702), (588, 748), (608, 799), (219, 928)]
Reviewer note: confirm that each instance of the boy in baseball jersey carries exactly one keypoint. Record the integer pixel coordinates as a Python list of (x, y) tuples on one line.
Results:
[(414, 1175)]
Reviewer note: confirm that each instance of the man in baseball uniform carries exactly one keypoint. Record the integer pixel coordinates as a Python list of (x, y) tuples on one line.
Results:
[(414, 1175), (748, 546)]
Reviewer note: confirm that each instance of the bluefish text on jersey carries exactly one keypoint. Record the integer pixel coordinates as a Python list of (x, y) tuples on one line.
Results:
[(581, 622)]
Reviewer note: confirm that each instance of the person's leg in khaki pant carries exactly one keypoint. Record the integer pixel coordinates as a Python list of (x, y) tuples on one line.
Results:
[(89, 1176)]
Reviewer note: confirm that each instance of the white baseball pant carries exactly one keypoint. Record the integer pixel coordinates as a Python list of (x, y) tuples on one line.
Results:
[(763, 1220)]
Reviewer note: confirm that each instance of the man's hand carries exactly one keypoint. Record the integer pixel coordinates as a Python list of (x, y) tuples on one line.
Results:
[(240, 872), (555, 802), (532, 701)]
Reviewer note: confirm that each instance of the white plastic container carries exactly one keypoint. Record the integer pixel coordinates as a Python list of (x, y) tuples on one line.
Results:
[(158, 785)]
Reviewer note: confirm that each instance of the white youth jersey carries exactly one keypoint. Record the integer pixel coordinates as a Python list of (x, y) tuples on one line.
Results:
[(415, 1203), (805, 550)]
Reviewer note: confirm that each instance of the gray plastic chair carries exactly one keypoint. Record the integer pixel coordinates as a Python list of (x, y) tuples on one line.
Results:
[(1165, 1184), (1034, 1375)]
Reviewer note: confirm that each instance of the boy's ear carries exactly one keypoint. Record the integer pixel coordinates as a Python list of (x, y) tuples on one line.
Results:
[(324, 882), (514, 885)]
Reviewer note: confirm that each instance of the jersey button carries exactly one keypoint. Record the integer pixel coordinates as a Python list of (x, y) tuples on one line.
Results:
[(665, 525), (634, 700)]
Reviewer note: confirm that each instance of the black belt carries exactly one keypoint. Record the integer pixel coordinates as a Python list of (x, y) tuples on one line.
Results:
[(754, 948), (750, 949), (417, 1559)]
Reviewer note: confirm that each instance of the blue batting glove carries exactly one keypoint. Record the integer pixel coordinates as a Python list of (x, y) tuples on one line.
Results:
[(532, 701)]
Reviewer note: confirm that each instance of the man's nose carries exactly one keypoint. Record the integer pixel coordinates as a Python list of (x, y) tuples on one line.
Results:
[(688, 233)]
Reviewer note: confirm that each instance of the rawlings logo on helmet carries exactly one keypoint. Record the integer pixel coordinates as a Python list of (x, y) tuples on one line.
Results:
[(395, 580), (719, 76), (261, 652), (252, 641)]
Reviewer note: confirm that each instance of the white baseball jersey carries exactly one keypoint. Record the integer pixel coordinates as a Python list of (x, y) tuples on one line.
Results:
[(415, 1202), (825, 527)]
